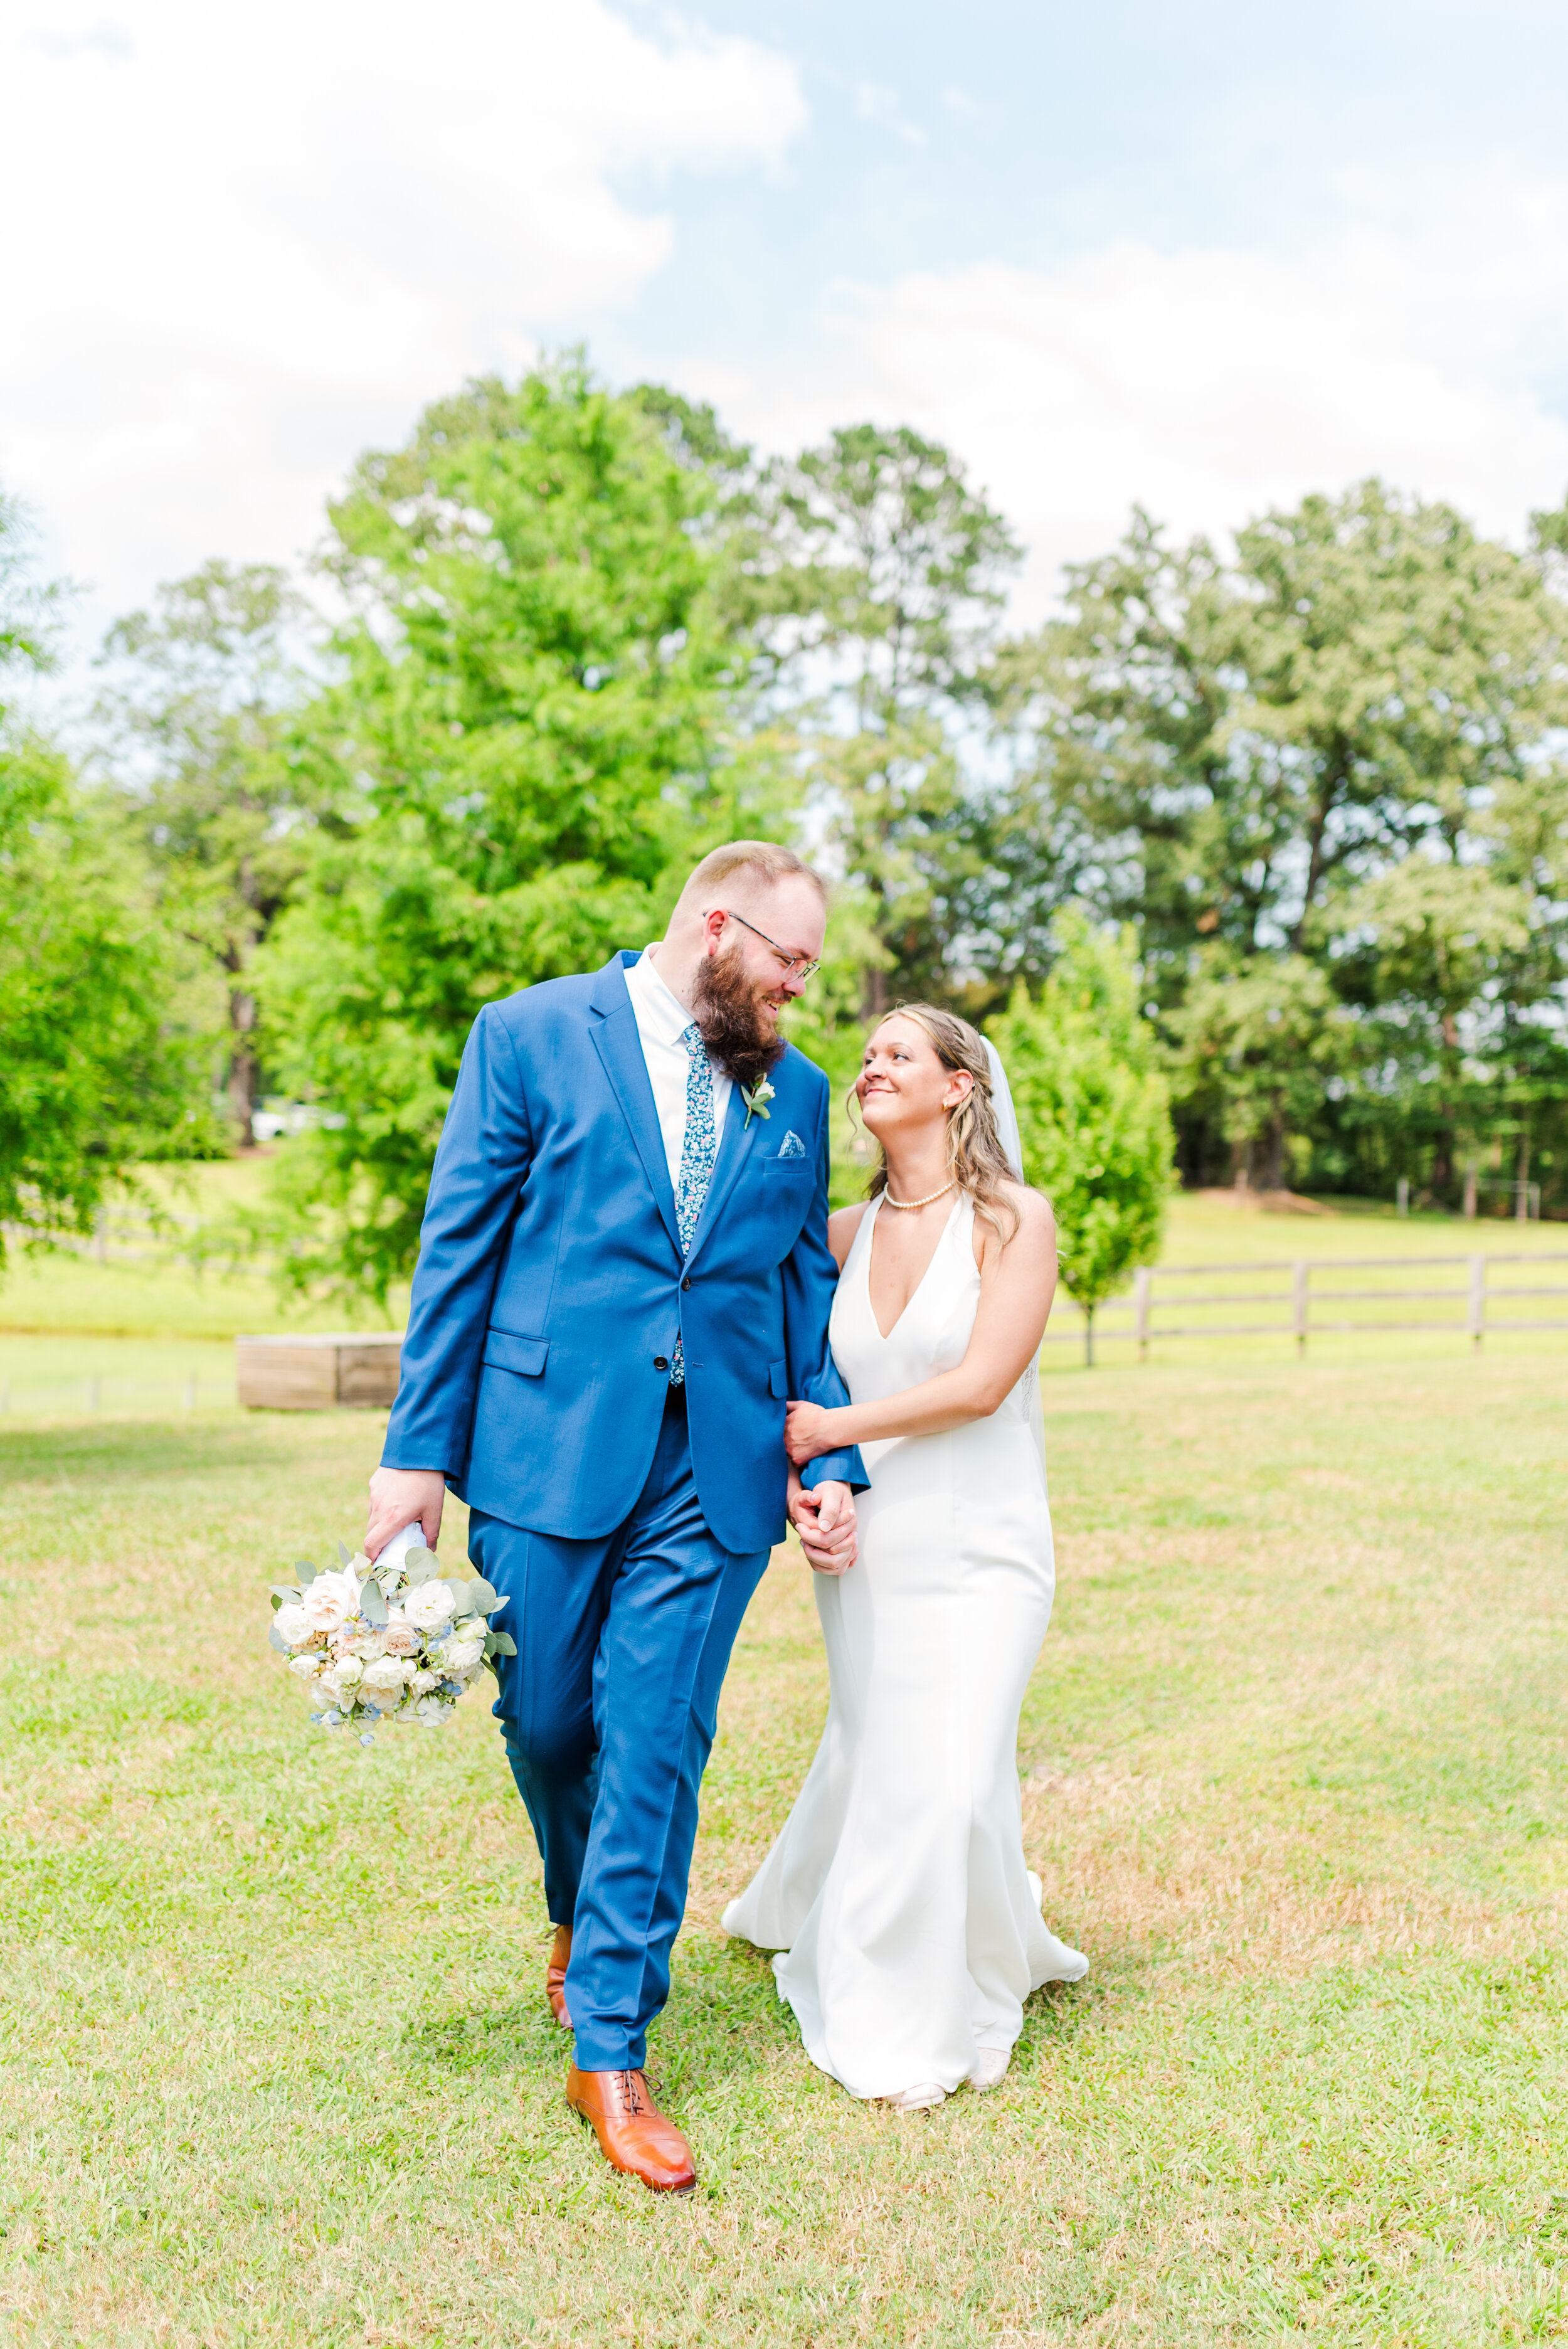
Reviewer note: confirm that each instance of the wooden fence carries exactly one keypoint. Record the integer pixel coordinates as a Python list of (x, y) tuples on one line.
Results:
[(123, 1236), (1422, 1286)]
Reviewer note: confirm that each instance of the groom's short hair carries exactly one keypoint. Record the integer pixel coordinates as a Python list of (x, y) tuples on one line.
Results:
[(763, 861)]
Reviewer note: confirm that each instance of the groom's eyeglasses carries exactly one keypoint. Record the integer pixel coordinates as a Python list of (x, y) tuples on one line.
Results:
[(795, 965)]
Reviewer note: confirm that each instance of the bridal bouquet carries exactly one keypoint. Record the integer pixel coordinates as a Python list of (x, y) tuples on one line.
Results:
[(398, 1640)]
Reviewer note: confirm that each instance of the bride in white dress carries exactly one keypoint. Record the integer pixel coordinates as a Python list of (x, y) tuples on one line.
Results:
[(909, 1928)]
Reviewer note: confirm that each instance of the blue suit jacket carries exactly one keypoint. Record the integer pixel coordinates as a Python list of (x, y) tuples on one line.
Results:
[(549, 1283)]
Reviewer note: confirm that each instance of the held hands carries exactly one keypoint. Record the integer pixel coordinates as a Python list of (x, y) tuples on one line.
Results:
[(806, 1432), (825, 1521)]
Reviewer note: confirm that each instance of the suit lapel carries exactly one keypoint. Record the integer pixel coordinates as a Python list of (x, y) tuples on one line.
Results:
[(620, 1048), (738, 1142)]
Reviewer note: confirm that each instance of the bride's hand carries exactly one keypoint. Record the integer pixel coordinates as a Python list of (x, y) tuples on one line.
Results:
[(806, 1432)]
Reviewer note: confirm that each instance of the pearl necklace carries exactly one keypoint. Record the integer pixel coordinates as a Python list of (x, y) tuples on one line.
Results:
[(920, 1203)]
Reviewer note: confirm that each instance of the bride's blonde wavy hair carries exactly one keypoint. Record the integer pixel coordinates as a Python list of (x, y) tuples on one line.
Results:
[(976, 1157)]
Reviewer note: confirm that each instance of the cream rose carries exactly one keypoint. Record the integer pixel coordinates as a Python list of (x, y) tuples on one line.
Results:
[(291, 1623), (462, 1655), (330, 1601), (400, 1638), (429, 1606), (424, 1681), (385, 1675)]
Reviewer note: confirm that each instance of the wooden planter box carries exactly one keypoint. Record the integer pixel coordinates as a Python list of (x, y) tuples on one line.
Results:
[(354, 1369)]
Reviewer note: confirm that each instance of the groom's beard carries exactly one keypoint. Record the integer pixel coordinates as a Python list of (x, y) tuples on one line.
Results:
[(737, 1031)]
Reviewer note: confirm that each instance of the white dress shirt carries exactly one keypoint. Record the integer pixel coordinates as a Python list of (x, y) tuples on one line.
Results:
[(662, 1020)]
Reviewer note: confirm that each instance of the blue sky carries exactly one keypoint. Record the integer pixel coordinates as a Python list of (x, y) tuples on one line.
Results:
[(1203, 258), (1030, 133)]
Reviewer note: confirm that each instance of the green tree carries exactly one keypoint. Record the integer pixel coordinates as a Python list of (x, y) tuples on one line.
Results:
[(877, 575), (1226, 753), (197, 727), (1437, 943), (96, 1076), (1262, 1042), (1093, 1111), (1234, 745), (536, 725)]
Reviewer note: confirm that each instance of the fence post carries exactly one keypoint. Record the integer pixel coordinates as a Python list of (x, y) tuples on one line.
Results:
[(1298, 1296), (1477, 1298), (1402, 1195), (95, 1392), (1142, 1282)]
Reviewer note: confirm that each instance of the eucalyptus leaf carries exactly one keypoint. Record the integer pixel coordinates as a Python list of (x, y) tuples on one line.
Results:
[(284, 1591), (501, 1643), (344, 1556), (305, 1571), (276, 1640), (372, 1606), (421, 1566), (482, 1595)]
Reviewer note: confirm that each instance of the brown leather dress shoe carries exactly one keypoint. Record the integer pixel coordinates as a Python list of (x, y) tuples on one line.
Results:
[(633, 2134), (556, 1976)]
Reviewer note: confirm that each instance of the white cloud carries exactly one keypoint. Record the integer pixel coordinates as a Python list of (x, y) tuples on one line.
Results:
[(245, 243), (1207, 386)]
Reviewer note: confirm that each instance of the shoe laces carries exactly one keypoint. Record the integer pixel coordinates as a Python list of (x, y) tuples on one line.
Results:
[(633, 2095)]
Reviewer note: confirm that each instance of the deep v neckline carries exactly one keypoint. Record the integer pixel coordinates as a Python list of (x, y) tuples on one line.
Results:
[(887, 1336)]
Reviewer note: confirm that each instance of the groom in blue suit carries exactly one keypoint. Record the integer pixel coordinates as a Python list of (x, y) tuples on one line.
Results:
[(624, 1276)]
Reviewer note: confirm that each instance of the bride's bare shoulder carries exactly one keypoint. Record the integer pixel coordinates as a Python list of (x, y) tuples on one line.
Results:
[(842, 1226), (1034, 1211), (1035, 1233)]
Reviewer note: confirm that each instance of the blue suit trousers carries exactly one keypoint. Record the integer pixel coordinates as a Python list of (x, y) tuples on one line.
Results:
[(608, 1711)]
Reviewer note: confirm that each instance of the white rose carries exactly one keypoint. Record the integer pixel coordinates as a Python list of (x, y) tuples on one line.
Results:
[(307, 1667), (342, 1679), (429, 1606), (432, 1712), (424, 1681), (387, 1673), (331, 1600), (293, 1624), (462, 1655), (400, 1638)]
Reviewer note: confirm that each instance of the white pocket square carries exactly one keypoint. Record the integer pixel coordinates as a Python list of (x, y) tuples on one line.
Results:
[(792, 1146)]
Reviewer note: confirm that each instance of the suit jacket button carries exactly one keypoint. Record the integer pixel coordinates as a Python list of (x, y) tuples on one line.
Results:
[(660, 1363), (687, 1282)]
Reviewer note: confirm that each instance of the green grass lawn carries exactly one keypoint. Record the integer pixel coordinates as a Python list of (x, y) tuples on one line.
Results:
[(280, 2068)]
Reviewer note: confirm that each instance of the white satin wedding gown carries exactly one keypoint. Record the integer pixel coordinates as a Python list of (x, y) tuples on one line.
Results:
[(909, 1928)]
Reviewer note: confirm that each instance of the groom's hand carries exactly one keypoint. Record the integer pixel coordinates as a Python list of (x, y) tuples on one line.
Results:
[(825, 1521), (398, 1495)]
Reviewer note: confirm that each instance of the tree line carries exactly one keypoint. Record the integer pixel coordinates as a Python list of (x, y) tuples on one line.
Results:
[(1307, 795)]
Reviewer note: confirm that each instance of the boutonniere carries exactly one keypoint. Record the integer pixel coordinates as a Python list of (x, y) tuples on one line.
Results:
[(757, 1101)]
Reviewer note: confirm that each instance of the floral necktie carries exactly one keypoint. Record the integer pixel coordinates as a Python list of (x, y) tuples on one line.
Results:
[(698, 1150)]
